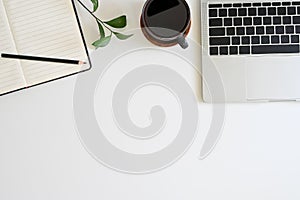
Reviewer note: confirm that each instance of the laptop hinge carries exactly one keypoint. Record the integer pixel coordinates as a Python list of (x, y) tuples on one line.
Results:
[(282, 100), (273, 100)]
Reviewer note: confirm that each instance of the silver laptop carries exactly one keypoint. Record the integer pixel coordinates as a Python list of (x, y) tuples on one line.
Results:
[(251, 50)]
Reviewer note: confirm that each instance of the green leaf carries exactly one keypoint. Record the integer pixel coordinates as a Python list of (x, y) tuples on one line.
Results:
[(122, 36), (101, 30), (102, 42), (119, 22), (96, 5)]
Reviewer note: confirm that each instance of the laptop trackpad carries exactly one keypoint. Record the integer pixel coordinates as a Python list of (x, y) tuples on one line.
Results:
[(273, 78)]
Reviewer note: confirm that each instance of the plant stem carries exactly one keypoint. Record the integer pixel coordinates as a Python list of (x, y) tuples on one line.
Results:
[(99, 20)]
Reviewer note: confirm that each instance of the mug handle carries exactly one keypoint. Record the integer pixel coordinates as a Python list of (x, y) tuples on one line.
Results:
[(182, 41)]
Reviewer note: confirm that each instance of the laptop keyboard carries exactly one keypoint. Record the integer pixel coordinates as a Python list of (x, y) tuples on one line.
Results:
[(254, 28)]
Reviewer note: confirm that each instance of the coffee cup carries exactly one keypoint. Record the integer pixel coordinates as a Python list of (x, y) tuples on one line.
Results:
[(166, 22)]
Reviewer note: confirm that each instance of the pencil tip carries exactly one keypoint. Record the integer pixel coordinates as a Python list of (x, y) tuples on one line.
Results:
[(82, 63)]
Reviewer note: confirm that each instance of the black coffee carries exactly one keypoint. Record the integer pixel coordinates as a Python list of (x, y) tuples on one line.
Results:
[(167, 18)]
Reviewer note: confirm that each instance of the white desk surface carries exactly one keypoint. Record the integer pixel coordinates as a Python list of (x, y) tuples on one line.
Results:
[(41, 156)]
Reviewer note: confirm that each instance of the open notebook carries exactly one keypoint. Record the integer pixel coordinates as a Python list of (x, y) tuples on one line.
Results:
[(47, 28)]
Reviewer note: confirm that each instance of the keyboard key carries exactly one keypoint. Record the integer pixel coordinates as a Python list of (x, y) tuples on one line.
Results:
[(291, 10), (295, 39), (298, 10), (237, 5), (228, 22), (257, 21), (297, 29), (244, 50), (286, 3), (213, 12), (267, 20), (233, 50), (219, 41), (252, 12), (240, 30), (237, 21), (230, 31), (236, 41), (281, 10), (287, 20), (233, 12), (266, 4), (265, 39), (260, 30), (242, 12), (255, 40), (270, 29), (271, 49), (217, 32), (276, 3), (213, 51), (271, 11), (262, 11), (296, 3), (223, 13), (289, 29), (215, 22), (279, 30), (256, 4), (296, 19), (227, 5), (215, 5), (246, 40), (250, 31), (274, 39), (285, 39), (223, 50), (276, 20), (247, 21), (246, 4)]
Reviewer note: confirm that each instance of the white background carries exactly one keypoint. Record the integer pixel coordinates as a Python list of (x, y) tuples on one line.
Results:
[(41, 156)]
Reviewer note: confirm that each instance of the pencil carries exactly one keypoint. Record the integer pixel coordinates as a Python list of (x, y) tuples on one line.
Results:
[(42, 59)]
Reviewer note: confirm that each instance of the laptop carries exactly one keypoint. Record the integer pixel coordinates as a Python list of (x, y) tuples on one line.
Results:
[(250, 50)]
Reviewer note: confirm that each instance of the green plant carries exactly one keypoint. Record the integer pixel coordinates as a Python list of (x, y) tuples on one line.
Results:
[(116, 23)]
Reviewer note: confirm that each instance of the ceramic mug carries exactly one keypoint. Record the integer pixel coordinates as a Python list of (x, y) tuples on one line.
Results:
[(166, 22)]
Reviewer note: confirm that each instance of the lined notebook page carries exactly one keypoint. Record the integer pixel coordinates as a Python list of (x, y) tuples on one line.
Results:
[(11, 76), (45, 28)]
